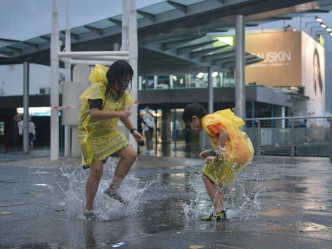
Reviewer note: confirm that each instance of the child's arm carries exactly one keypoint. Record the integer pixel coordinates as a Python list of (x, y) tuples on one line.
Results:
[(96, 113), (223, 136), (214, 153), (129, 125)]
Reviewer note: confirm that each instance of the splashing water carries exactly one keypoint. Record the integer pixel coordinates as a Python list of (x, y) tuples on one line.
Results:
[(131, 190), (242, 199)]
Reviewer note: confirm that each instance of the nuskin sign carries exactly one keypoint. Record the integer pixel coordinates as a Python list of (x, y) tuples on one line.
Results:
[(276, 57), (282, 56)]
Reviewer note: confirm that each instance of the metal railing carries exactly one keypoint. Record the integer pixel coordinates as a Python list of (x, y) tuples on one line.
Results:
[(293, 136)]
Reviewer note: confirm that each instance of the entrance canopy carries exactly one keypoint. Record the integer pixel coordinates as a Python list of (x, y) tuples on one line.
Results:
[(173, 35)]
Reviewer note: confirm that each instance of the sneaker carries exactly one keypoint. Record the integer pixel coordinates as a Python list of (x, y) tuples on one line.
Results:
[(115, 197), (215, 216), (89, 215), (85, 167)]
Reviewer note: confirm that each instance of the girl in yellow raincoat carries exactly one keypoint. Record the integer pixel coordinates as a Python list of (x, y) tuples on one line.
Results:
[(232, 151), (103, 104)]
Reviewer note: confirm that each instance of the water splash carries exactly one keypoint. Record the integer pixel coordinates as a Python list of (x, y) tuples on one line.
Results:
[(73, 189), (242, 199)]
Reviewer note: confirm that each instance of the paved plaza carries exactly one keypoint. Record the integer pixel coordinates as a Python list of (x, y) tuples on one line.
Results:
[(275, 202)]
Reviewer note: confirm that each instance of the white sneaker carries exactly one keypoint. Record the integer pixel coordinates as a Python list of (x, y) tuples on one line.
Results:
[(151, 152)]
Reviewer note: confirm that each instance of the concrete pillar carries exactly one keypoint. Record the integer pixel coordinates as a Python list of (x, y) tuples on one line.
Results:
[(171, 84), (26, 107), (155, 81), (67, 74), (240, 95), (54, 98), (140, 81), (210, 87), (166, 137)]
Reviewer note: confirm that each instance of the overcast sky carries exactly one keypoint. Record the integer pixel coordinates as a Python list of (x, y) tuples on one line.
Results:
[(25, 19)]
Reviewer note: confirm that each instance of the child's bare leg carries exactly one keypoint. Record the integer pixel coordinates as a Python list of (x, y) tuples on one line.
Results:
[(128, 156), (92, 183), (215, 192)]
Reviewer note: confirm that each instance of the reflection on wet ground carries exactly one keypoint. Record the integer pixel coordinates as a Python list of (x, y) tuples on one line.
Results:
[(274, 203)]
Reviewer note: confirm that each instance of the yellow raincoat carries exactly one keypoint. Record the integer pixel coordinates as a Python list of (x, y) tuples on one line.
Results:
[(237, 152), (100, 138)]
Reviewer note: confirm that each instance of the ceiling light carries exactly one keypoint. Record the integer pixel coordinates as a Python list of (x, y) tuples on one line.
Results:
[(328, 29), (318, 19), (215, 74), (323, 25), (200, 75)]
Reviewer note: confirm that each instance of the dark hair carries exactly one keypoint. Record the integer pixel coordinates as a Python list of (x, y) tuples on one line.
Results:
[(320, 83), (117, 72), (194, 109)]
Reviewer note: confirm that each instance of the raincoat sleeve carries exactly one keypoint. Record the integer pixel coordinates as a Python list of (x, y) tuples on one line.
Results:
[(129, 101), (95, 91)]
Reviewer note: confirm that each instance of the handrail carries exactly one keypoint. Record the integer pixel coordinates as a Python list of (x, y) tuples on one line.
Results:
[(297, 117)]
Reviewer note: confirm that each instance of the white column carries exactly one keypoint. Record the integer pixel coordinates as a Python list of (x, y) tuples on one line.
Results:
[(133, 51), (171, 83), (125, 26), (140, 80), (210, 87), (26, 107), (67, 74), (155, 81), (55, 83)]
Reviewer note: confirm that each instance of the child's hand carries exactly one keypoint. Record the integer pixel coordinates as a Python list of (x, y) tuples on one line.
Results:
[(138, 137), (210, 159), (204, 154), (125, 114)]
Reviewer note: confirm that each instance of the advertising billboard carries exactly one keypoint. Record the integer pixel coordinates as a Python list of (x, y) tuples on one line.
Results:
[(290, 59), (281, 52), (313, 75)]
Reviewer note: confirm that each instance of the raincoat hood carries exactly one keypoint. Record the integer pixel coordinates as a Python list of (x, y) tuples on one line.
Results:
[(98, 74)]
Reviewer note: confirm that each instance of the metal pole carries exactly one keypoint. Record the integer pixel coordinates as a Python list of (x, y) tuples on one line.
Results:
[(91, 54), (292, 139), (55, 83), (253, 114), (210, 85), (258, 150), (240, 96), (133, 53), (174, 129), (67, 75), (26, 107)]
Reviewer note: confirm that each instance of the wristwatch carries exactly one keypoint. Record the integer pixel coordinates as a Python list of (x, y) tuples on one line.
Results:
[(132, 130)]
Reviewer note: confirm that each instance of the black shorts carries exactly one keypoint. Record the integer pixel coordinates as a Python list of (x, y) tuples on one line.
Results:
[(115, 154)]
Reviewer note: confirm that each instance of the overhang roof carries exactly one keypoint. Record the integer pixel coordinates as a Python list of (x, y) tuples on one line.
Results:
[(173, 34)]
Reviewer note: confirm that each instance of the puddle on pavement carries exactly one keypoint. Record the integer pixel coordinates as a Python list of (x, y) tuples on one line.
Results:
[(310, 227)]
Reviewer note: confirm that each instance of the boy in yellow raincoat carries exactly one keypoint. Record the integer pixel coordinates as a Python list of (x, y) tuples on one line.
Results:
[(232, 151), (103, 104)]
